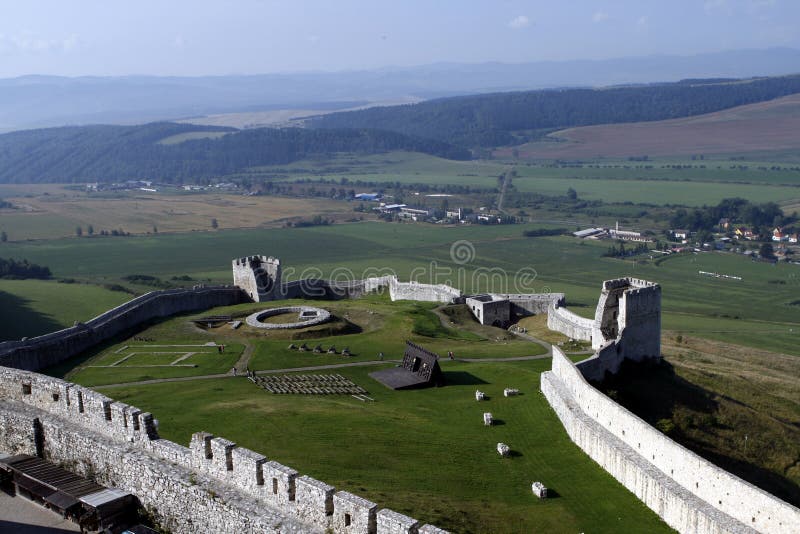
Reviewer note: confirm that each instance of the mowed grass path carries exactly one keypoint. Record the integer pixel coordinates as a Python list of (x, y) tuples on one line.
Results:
[(425, 453)]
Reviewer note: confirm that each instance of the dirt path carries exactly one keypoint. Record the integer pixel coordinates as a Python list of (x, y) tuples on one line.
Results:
[(243, 362), (310, 368)]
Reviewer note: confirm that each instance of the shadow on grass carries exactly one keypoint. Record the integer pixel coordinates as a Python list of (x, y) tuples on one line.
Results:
[(553, 494), (19, 319), (462, 378), (691, 415), (498, 422)]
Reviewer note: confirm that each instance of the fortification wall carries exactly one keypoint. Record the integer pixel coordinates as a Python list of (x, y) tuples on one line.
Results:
[(422, 292), (523, 304), (688, 492), (211, 486), (50, 349), (258, 276), (317, 288), (574, 326)]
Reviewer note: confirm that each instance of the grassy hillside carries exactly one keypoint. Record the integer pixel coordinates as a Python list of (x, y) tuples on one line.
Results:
[(765, 128)]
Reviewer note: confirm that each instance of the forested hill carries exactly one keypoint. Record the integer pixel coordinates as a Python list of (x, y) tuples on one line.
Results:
[(502, 119), (116, 153)]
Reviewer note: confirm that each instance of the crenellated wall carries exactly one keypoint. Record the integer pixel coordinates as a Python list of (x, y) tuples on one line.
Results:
[(50, 349), (211, 486)]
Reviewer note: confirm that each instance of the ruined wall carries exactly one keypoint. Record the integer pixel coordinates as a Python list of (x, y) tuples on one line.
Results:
[(571, 325), (334, 289), (688, 492), (526, 304), (50, 349), (423, 292), (211, 486), (259, 277), (631, 305), (489, 311)]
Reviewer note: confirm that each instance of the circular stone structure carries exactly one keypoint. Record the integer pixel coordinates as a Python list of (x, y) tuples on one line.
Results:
[(306, 315)]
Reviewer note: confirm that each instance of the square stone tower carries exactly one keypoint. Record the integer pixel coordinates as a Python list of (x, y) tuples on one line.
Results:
[(629, 312), (259, 277)]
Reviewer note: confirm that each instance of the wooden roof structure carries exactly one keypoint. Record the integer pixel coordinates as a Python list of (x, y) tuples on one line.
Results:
[(70, 494), (420, 368)]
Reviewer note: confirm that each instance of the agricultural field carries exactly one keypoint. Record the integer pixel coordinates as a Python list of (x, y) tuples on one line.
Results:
[(759, 310), (765, 127), (48, 212), (659, 181), (34, 307)]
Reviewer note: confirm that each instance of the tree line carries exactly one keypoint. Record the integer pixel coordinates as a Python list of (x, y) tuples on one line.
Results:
[(737, 210), (22, 269), (502, 119), (119, 153)]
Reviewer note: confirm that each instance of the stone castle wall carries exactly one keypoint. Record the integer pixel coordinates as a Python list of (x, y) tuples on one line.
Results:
[(211, 486), (690, 493), (570, 324), (423, 292), (258, 276), (50, 349)]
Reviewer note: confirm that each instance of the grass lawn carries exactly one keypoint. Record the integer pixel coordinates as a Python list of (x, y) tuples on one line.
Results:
[(414, 447), (374, 324)]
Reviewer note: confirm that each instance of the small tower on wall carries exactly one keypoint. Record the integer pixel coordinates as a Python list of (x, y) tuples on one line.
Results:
[(259, 277)]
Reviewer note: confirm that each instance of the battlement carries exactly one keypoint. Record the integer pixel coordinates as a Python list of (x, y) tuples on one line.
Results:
[(80, 412)]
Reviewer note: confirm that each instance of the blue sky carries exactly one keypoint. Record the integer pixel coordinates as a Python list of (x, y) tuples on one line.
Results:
[(198, 37)]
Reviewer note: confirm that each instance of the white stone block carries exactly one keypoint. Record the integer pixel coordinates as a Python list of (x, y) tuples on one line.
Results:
[(487, 418), (479, 395), (510, 392), (539, 490), (503, 449)]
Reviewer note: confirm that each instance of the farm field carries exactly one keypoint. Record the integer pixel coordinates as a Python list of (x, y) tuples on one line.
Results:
[(760, 309), (764, 127), (417, 446), (661, 181), (58, 212), (34, 307)]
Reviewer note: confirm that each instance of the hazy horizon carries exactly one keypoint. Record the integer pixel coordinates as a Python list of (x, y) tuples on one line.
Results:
[(251, 37)]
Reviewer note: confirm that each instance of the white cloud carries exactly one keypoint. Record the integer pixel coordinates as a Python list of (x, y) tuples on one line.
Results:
[(599, 17), (642, 23), (313, 39), (519, 22), (179, 41)]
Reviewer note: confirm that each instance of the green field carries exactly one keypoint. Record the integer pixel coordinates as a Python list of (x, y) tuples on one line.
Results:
[(33, 307), (374, 324), (659, 182), (759, 310), (414, 447)]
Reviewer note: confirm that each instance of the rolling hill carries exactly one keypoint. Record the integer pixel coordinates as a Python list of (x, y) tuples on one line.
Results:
[(765, 127)]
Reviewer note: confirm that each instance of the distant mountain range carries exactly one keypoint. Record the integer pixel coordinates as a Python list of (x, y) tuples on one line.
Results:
[(41, 101)]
